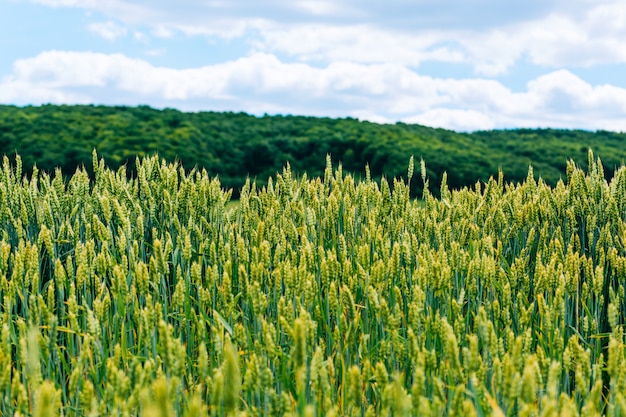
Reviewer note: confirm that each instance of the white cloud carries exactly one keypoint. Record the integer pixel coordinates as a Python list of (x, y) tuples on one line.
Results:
[(361, 43), (555, 40), (559, 41), (262, 83), (490, 35), (564, 91), (108, 30), (455, 119), (23, 92)]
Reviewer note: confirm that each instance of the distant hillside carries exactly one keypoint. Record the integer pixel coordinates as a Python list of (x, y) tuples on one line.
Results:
[(236, 145)]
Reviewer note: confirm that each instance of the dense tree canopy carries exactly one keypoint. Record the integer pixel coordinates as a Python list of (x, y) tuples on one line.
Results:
[(235, 146)]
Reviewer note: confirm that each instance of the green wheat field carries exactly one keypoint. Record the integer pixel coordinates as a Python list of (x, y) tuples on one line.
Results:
[(152, 295)]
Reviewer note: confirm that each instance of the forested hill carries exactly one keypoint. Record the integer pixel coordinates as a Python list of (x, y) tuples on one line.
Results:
[(235, 146)]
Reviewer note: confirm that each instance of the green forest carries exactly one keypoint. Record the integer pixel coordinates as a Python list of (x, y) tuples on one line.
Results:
[(237, 146)]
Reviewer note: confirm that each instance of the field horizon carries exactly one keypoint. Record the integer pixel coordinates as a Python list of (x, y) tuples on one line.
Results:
[(238, 146)]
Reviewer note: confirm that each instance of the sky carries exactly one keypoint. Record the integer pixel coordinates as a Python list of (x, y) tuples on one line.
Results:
[(464, 65)]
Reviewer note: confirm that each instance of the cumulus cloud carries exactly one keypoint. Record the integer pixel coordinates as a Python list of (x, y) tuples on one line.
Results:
[(554, 40), (262, 83), (360, 43), (490, 35), (566, 92), (21, 92)]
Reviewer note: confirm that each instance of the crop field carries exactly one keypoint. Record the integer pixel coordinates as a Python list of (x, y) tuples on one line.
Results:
[(149, 295)]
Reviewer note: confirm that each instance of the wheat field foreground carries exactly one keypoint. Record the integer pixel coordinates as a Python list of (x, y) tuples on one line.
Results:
[(315, 297)]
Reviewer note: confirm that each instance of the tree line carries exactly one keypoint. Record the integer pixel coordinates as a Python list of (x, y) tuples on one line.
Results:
[(236, 146)]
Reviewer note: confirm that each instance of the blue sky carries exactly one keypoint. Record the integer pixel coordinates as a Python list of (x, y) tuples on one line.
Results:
[(458, 64)]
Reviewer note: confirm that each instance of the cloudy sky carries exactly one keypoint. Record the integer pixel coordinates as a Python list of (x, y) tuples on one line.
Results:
[(458, 64)]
